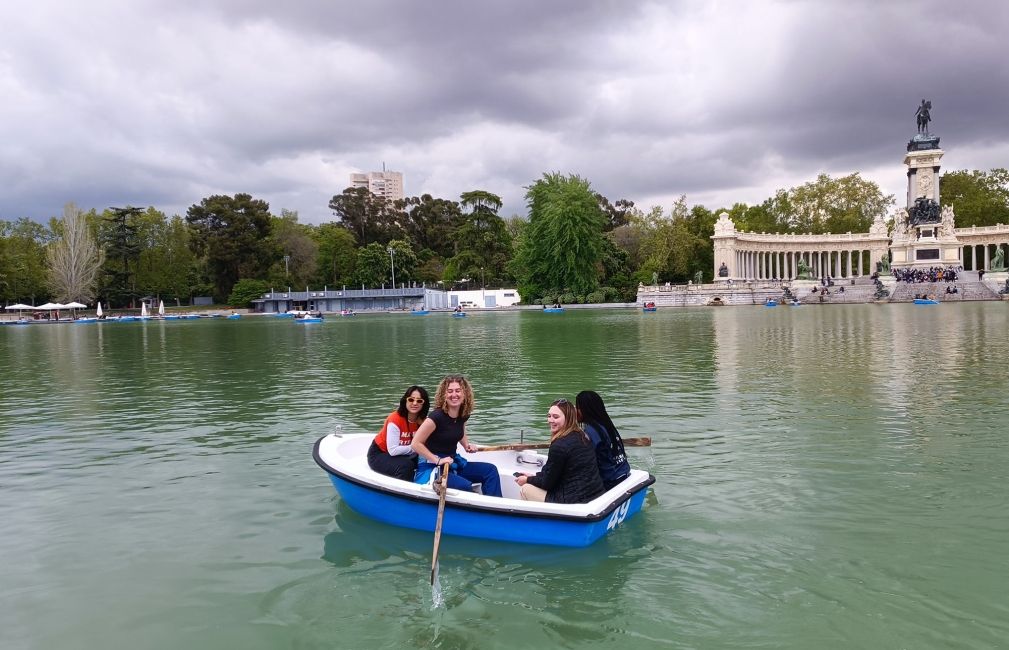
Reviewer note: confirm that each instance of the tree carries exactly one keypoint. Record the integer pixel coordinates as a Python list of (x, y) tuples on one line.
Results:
[(430, 223), (483, 245), (371, 218), (978, 198), (846, 204), (297, 252), (24, 272), (337, 254), (119, 236), (616, 214), (245, 291), (673, 245), (231, 234), (562, 244), (405, 260), (372, 268), (74, 260)]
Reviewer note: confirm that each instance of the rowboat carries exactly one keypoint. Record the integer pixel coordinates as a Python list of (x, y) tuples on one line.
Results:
[(553, 310), (458, 314), (771, 303), (649, 306), (925, 301), (420, 312), (233, 316), (308, 319), (470, 514)]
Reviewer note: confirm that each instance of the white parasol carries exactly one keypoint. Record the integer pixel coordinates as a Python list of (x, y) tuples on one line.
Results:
[(161, 308), (75, 305), (98, 312), (19, 306)]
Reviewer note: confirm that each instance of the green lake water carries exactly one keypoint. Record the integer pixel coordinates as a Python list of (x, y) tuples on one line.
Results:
[(826, 477)]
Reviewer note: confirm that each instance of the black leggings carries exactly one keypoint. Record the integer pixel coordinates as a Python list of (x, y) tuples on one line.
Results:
[(401, 467)]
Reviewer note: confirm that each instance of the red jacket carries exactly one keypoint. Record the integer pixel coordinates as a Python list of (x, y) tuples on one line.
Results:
[(406, 431)]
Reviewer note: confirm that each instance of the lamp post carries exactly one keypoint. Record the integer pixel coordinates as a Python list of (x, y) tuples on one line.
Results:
[(392, 263), (483, 288), (287, 258)]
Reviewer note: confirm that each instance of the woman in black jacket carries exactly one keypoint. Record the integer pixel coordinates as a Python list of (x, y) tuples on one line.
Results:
[(571, 474)]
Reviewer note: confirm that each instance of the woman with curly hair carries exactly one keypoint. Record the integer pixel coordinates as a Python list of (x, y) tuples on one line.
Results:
[(438, 438)]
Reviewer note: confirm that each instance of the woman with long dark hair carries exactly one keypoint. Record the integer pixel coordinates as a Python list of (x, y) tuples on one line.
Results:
[(606, 440), (390, 452)]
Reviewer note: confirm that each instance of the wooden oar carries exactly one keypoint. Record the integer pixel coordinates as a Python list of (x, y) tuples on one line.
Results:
[(437, 524), (628, 442)]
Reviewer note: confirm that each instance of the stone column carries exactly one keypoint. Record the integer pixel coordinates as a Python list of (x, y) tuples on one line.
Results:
[(987, 257)]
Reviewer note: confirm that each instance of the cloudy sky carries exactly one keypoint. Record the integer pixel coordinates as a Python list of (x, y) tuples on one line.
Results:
[(146, 102)]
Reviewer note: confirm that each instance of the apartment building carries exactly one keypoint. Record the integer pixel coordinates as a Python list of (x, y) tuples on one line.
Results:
[(383, 183)]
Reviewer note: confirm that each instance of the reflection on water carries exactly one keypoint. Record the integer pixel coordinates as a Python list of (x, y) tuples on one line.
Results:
[(826, 476)]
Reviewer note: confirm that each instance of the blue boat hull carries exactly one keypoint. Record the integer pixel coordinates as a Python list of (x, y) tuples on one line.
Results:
[(553, 310), (420, 312), (922, 301), (458, 314), (307, 320), (649, 308), (402, 512)]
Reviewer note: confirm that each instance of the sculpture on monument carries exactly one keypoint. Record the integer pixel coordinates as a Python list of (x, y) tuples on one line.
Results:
[(998, 262), (723, 271), (924, 210), (883, 266), (655, 279), (699, 277), (803, 270), (923, 115)]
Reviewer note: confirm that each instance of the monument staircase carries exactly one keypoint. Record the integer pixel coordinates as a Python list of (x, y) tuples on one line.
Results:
[(966, 290), (862, 290)]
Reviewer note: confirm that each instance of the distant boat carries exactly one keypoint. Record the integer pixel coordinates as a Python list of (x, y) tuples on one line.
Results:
[(649, 306), (173, 317), (233, 316), (459, 314), (553, 310), (420, 312), (86, 319), (925, 301), (347, 312), (283, 314), (795, 303), (308, 319), (771, 303)]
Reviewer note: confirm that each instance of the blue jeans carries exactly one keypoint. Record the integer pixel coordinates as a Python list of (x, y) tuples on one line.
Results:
[(465, 475)]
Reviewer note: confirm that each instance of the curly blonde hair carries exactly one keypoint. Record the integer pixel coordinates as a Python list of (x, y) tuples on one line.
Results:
[(466, 407)]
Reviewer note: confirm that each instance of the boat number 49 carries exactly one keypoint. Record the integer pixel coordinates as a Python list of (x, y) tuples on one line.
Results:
[(618, 515)]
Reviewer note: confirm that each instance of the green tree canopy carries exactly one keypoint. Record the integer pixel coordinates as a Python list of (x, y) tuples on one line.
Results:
[(371, 218), (562, 245), (231, 234), (978, 198), (483, 244), (337, 254)]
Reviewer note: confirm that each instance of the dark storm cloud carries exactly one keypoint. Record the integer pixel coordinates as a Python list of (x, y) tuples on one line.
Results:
[(164, 103)]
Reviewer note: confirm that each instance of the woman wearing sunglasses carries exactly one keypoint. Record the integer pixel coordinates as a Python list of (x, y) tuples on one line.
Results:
[(571, 474), (390, 452), (436, 441)]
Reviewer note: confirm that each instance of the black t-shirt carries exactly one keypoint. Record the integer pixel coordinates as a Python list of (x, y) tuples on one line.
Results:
[(447, 433)]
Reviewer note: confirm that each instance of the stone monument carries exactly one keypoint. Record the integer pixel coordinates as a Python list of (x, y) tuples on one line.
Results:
[(923, 230)]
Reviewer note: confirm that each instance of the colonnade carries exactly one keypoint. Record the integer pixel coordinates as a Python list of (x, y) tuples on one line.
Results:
[(979, 256), (784, 265)]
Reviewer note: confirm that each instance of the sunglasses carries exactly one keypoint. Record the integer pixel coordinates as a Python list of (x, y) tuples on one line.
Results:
[(415, 400), (560, 402)]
